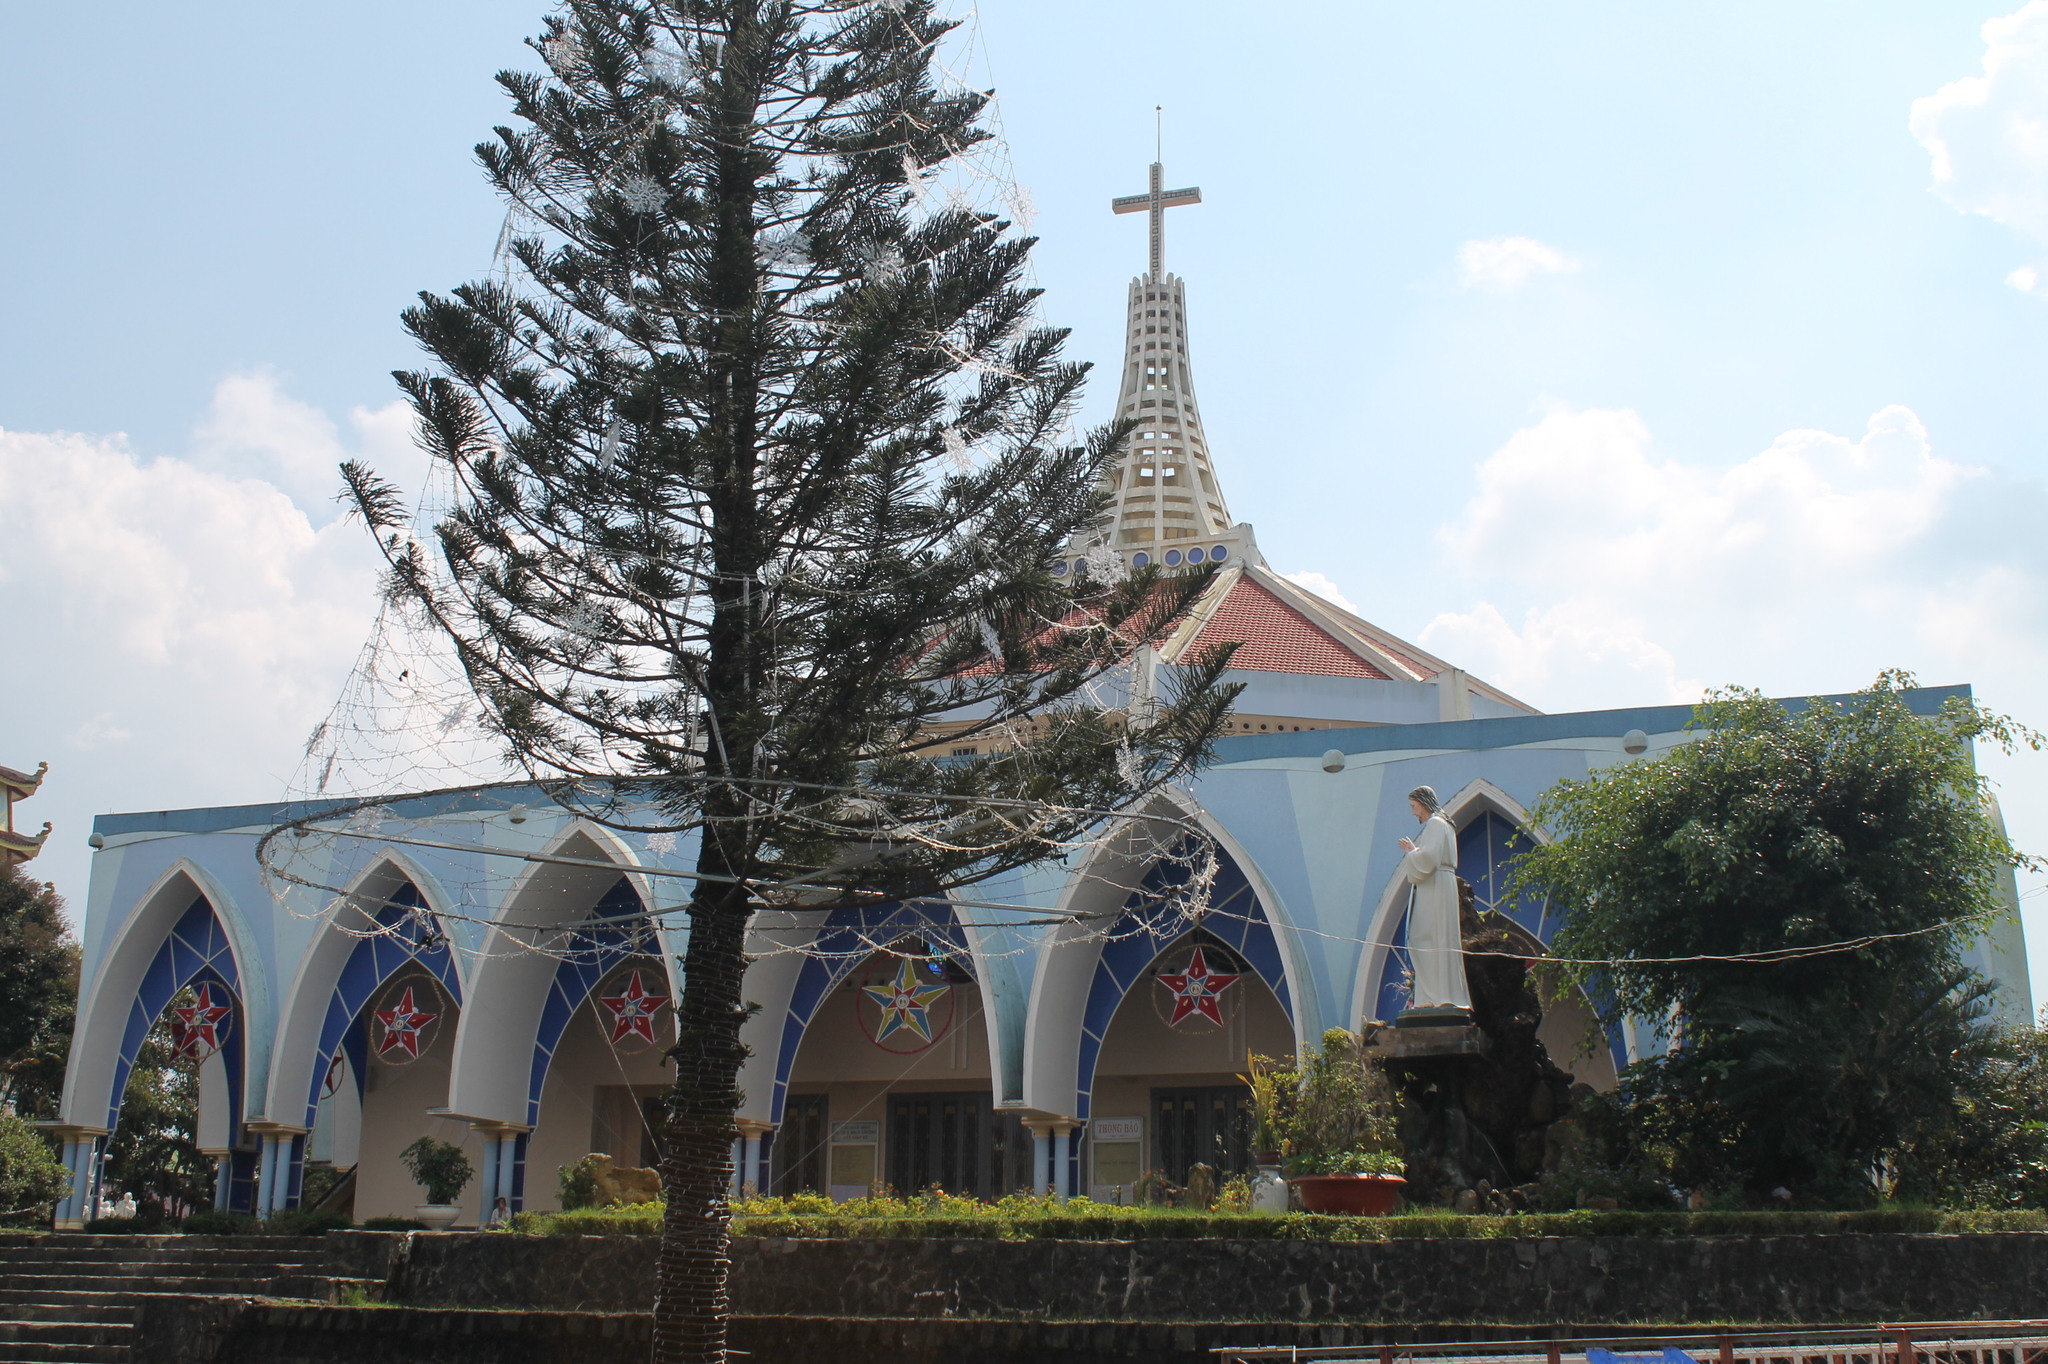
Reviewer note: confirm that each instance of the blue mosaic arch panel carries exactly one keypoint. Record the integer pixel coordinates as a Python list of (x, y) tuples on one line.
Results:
[(406, 933), (590, 956), (195, 952), (1149, 925), (847, 940)]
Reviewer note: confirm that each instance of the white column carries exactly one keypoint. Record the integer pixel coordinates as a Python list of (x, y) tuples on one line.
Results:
[(266, 1177), (508, 1167), (223, 1179), (488, 1192), (1041, 1159), (750, 1169), (1063, 1161)]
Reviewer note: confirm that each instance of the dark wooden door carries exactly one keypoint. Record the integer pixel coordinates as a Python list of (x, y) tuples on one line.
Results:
[(1211, 1125), (939, 1141), (797, 1158)]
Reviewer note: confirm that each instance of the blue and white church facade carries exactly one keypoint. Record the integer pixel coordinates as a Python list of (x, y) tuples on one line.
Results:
[(485, 968)]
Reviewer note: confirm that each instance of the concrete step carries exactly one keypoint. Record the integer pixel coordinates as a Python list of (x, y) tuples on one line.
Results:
[(42, 1352), (41, 1287), (184, 1269), (111, 1309), (60, 1333), (25, 1255)]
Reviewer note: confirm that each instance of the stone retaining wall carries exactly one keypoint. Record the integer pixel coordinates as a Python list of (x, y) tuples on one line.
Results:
[(1789, 1279)]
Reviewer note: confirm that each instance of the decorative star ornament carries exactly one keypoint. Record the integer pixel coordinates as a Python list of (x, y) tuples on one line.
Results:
[(633, 1010), (403, 1024), (196, 1027), (1196, 990), (905, 1002)]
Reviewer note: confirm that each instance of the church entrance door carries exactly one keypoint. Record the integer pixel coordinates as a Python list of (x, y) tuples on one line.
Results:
[(1211, 1125), (938, 1141)]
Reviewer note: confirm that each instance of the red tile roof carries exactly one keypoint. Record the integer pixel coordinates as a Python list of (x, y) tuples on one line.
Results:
[(1274, 637)]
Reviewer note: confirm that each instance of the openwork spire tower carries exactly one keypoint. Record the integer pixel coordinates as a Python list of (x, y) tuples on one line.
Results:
[(1169, 506)]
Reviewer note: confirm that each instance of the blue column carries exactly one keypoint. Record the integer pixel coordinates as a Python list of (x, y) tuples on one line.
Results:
[(514, 1152), (1041, 1160), (224, 1180), (266, 1177)]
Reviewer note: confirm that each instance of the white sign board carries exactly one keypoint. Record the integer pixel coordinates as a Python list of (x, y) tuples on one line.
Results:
[(856, 1133), (1117, 1129)]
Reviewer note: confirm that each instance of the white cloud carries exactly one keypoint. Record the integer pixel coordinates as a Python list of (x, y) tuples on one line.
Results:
[(1988, 134), (253, 429), (2026, 279), (1324, 588), (192, 601), (1502, 264), (1600, 573)]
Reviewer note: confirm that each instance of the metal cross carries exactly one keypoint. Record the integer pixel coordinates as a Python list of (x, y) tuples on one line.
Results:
[(1156, 201)]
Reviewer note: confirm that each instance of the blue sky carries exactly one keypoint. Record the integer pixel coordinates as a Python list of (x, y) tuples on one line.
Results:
[(1613, 350)]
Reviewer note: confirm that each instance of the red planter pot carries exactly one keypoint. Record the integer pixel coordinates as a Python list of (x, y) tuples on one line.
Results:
[(1367, 1195)]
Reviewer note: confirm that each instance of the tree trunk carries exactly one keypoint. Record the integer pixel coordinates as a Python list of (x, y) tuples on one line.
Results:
[(690, 1301)]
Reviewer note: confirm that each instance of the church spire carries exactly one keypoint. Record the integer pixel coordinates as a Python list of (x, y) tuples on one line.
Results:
[(1168, 506)]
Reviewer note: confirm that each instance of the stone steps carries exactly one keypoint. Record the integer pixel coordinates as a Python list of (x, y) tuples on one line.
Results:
[(74, 1297)]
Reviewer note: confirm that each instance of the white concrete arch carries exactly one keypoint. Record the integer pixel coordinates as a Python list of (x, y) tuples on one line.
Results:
[(491, 1066), (1094, 895), (304, 1008), (1475, 798), (104, 1003)]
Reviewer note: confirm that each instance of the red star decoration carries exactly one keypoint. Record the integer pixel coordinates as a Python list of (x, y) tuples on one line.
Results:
[(1195, 990), (196, 1027), (633, 1010), (402, 1024)]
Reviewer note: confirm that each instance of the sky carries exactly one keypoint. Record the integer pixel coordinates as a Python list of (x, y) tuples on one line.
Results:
[(1612, 351)]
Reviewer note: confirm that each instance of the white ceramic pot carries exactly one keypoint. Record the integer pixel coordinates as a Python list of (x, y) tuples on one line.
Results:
[(1269, 1190), (437, 1216)]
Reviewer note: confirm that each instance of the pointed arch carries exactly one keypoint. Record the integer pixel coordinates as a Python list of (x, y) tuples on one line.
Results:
[(359, 945), (847, 938), (144, 966), (495, 1072), (1082, 974)]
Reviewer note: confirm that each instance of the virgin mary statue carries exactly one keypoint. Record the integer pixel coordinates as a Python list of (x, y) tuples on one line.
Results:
[(1435, 940)]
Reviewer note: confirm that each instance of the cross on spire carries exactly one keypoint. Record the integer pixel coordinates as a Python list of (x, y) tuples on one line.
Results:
[(1156, 201)]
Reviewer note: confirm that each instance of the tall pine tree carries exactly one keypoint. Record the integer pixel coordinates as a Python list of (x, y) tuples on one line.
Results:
[(760, 467)]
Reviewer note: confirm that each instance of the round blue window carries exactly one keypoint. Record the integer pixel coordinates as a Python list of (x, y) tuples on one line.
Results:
[(1173, 558), (1059, 568), (1195, 555), (1140, 559), (1217, 554)]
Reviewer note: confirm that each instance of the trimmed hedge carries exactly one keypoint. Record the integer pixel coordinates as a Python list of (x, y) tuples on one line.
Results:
[(1101, 1223)]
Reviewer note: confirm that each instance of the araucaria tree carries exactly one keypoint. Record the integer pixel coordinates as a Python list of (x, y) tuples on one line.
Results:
[(758, 467), (1791, 894)]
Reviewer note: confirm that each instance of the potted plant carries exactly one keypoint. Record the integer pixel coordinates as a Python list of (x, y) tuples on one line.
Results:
[(1333, 1116), (444, 1172)]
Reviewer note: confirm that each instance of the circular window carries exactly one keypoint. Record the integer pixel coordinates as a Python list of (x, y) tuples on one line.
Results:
[(1059, 568), (1195, 555), (1173, 558), (1218, 554), (1140, 559)]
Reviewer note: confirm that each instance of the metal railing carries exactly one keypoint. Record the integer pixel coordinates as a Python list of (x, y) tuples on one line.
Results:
[(1920, 1342)]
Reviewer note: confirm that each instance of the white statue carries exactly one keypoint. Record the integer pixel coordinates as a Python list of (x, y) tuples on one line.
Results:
[(1435, 939)]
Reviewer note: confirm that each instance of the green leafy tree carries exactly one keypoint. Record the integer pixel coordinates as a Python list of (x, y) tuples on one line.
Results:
[(153, 1152), (31, 1178), (1794, 888), (760, 467), (38, 993)]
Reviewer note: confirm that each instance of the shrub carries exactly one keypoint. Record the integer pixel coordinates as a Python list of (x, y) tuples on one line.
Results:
[(31, 1178), (299, 1222), (394, 1224), (215, 1222), (578, 1181), (439, 1167), (118, 1226), (1332, 1112)]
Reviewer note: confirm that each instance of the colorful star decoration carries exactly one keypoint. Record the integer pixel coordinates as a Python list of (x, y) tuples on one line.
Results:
[(633, 1010), (403, 1024), (1196, 990), (196, 1028), (905, 1002)]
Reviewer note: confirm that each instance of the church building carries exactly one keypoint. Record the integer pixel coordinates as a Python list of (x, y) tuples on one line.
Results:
[(496, 973)]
